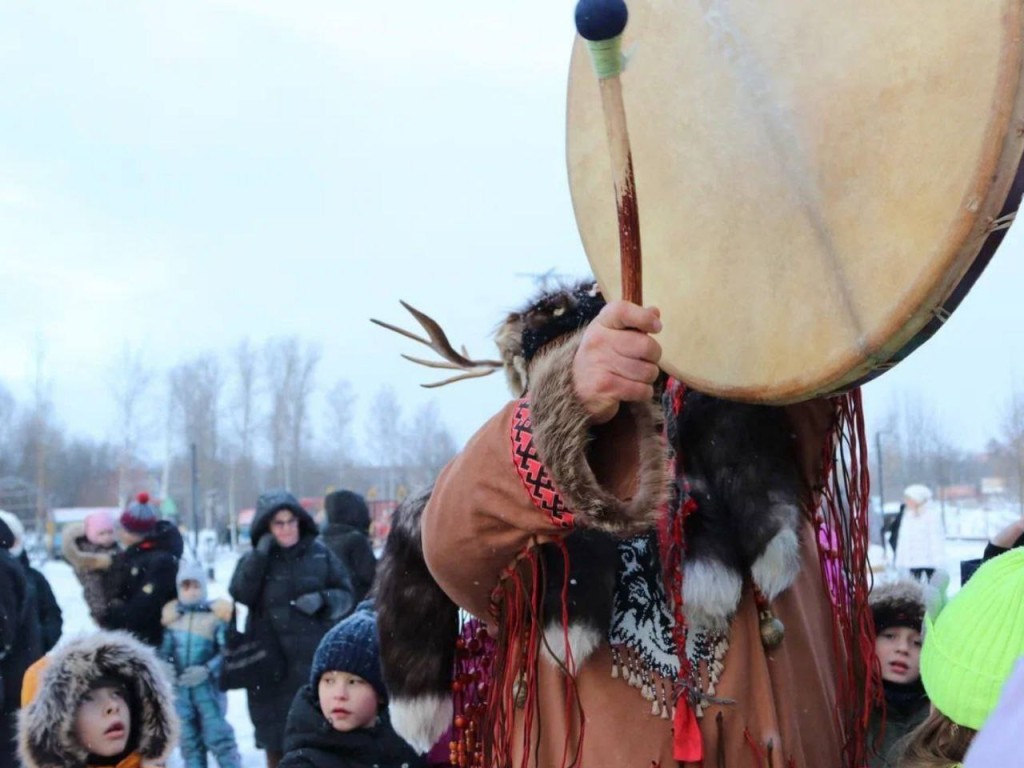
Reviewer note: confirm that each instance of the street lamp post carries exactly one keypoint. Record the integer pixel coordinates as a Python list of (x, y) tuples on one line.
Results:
[(881, 495)]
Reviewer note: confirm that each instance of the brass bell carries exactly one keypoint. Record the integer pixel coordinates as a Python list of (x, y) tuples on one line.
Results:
[(772, 630)]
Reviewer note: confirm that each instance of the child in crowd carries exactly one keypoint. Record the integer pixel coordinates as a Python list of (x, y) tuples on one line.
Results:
[(103, 700), (194, 635), (969, 651), (898, 612), (90, 547), (340, 720)]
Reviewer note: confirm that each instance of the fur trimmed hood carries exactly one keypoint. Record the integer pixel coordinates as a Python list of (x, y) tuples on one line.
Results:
[(269, 504), (46, 726), (82, 554)]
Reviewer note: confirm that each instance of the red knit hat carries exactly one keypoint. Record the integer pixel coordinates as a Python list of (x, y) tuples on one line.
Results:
[(140, 517)]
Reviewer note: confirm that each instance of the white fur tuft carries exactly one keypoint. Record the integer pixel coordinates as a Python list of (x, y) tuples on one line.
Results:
[(777, 567), (711, 593), (582, 642), (421, 721)]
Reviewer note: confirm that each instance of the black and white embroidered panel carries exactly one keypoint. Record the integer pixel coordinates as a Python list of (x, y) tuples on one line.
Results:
[(642, 620)]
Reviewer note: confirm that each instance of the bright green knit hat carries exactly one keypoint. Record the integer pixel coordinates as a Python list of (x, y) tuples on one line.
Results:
[(970, 648)]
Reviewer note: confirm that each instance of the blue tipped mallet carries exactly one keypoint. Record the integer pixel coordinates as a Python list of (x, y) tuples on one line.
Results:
[(601, 23)]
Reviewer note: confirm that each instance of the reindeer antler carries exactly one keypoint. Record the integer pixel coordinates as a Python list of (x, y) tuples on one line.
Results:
[(438, 342)]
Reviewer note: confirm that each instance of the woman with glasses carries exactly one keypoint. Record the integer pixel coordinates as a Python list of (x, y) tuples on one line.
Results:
[(298, 589)]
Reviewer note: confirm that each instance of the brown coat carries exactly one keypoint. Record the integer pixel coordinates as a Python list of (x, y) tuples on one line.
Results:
[(479, 518)]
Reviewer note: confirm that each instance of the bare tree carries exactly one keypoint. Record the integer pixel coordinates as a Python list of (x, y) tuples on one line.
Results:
[(428, 445), (341, 403), (196, 387), (1013, 436), (290, 373), (384, 439), (43, 433), (8, 412), (245, 417), (129, 378)]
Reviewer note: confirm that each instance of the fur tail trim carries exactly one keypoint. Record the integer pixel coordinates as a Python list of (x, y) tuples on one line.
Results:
[(421, 720), (417, 625), (778, 566)]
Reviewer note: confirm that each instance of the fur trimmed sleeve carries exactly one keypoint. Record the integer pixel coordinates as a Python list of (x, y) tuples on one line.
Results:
[(613, 477), (480, 517)]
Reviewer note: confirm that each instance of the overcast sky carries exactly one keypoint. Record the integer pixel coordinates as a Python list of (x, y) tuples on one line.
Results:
[(181, 175)]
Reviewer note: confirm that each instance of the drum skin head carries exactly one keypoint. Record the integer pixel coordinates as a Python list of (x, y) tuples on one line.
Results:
[(814, 178)]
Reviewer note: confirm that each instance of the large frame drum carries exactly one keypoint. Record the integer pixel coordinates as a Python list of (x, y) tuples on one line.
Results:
[(819, 182)]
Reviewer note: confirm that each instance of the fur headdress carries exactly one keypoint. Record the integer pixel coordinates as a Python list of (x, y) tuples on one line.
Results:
[(551, 314), (897, 604), (46, 730)]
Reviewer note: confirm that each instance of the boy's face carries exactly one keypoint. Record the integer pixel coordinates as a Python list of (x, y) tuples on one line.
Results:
[(899, 653), (103, 722), (104, 536), (190, 591), (347, 701)]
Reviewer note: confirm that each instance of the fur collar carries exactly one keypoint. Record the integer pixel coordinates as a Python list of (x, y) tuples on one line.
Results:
[(81, 553)]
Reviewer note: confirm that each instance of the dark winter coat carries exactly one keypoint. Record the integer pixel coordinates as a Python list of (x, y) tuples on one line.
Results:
[(51, 620), (143, 582), (268, 584), (22, 636), (906, 707), (352, 547), (21, 646), (92, 564), (311, 742)]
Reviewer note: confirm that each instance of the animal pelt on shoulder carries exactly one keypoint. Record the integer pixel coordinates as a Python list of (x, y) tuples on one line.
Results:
[(46, 730)]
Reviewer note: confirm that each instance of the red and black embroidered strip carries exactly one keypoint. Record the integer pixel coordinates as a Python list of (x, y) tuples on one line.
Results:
[(534, 475)]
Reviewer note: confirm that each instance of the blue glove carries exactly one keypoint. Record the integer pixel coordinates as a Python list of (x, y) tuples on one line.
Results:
[(309, 603), (193, 676)]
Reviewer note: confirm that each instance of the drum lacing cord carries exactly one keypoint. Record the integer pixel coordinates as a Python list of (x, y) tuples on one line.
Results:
[(1003, 222)]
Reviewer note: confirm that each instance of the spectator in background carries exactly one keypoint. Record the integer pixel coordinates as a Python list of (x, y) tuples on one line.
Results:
[(1010, 537), (340, 718), (19, 631), (90, 548), (196, 632), (897, 609), (295, 589), (143, 576), (921, 547), (346, 534), (40, 595)]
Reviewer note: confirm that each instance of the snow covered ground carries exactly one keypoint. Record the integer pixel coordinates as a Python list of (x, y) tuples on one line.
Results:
[(77, 619)]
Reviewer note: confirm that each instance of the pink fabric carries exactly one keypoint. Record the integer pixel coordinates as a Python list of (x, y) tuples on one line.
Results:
[(96, 522)]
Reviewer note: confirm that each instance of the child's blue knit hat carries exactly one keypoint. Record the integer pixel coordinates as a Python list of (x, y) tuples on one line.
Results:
[(352, 646), (189, 570)]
